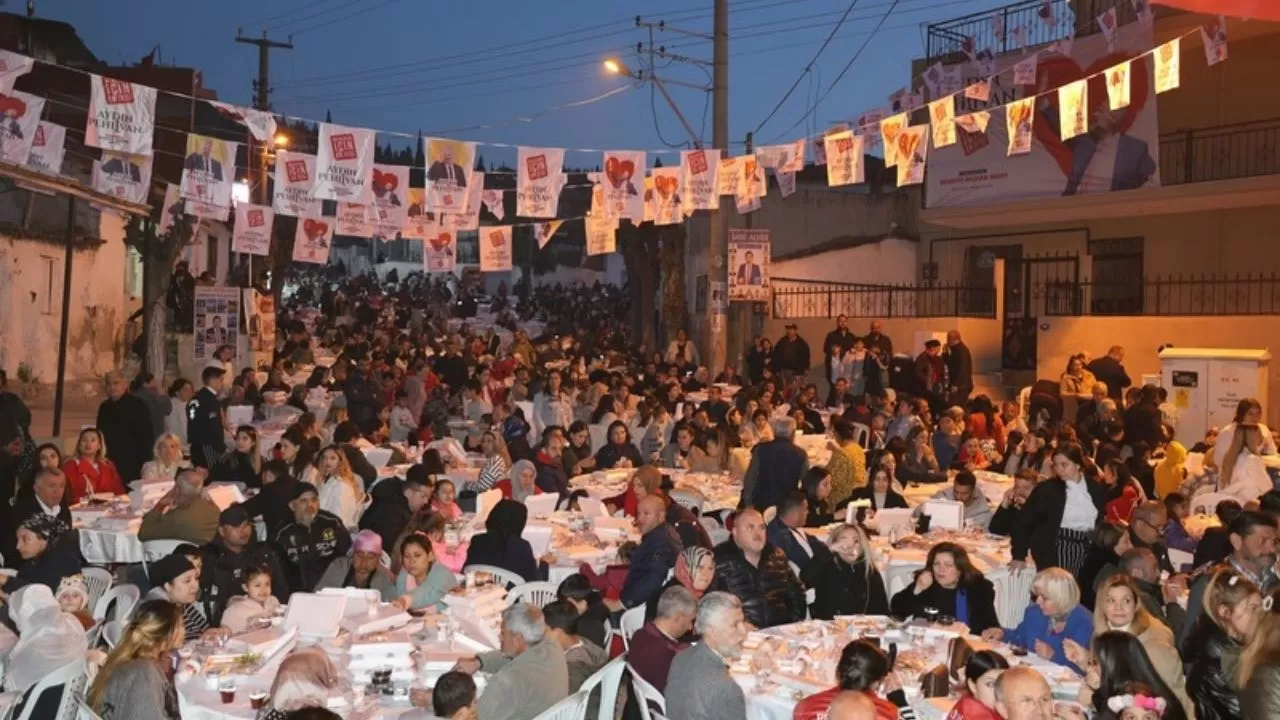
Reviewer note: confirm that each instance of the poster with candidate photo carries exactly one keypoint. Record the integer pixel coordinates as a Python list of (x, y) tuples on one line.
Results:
[(748, 264), (217, 320)]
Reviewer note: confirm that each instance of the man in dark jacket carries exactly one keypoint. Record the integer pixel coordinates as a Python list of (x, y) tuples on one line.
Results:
[(125, 423), (791, 353), (931, 376), (344, 436), (775, 468), (361, 395), (395, 502), (1110, 370), (839, 340), (205, 429), (551, 475), (959, 370), (1143, 422), (233, 551), (786, 531), (758, 574), (1006, 516), (309, 543), (47, 494), (654, 557)]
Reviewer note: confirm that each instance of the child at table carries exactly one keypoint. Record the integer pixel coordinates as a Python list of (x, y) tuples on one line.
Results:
[(1176, 535), (244, 611), (609, 583), (423, 580), (442, 500)]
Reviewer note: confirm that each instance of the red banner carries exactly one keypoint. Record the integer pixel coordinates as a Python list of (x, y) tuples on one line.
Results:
[(1260, 9)]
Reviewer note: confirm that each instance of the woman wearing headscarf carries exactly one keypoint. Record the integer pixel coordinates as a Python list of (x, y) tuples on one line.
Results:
[(646, 481), (49, 552), (362, 569), (501, 544), (521, 482), (48, 640), (695, 569)]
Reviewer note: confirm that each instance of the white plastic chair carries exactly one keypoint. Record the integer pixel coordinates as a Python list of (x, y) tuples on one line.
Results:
[(86, 711), (506, 577), (573, 707), (98, 581), (689, 499), (124, 596), (1180, 559), (861, 434), (609, 678), (646, 694), (631, 621), (112, 632), (770, 513), (70, 676), (153, 550), (539, 594), (1207, 503)]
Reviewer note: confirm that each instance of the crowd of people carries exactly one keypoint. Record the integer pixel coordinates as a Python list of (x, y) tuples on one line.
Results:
[(1100, 496)]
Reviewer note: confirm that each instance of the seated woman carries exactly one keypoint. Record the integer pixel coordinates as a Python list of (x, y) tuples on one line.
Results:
[(521, 482), (1125, 676), (715, 453), (684, 453), (605, 412), (845, 581), (1055, 616), (863, 668), (452, 556), (918, 463), (694, 571), (576, 456), (90, 471), (423, 582), (949, 585), (303, 682), (972, 456), (362, 569), (176, 579), (137, 679), (646, 481), (618, 450), (501, 544), (1124, 494), (880, 491), (296, 452), (245, 611), (816, 484), (49, 552), (48, 640), (442, 500), (242, 463), (167, 459), (340, 494), (978, 701), (1229, 619)]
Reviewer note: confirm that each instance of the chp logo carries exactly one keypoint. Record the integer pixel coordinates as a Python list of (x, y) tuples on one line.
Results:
[(343, 146), (698, 162), (256, 218), (536, 167), (117, 92), (296, 170)]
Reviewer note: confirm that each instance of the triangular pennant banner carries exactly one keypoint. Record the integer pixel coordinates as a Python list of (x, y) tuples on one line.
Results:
[(261, 124), (1168, 62)]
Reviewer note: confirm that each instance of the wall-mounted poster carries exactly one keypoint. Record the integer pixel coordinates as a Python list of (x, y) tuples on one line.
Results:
[(217, 320), (748, 264)]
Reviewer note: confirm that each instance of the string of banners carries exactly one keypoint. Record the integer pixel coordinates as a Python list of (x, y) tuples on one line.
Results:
[(375, 200)]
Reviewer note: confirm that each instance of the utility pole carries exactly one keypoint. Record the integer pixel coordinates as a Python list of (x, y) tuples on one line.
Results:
[(717, 246), (262, 101)]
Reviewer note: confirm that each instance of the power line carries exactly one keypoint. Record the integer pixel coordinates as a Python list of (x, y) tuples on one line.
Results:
[(313, 15), (287, 13), (808, 66), (333, 21)]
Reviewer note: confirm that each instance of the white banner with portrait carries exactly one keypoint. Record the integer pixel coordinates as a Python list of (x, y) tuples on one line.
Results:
[(208, 170), (217, 320), (450, 166), (748, 264), (123, 176), (19, 122)]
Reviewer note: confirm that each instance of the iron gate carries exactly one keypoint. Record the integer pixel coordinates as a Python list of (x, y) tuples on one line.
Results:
[(1038, 286)]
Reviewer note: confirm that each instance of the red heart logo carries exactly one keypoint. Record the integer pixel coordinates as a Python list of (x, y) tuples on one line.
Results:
[(385, 182), (1058, 71), (441, 241), (619, 171), (314, 229), (666, 185)]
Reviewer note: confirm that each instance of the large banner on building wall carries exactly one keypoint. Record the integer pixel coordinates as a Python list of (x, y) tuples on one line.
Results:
[(1119, 152), (217, 320)]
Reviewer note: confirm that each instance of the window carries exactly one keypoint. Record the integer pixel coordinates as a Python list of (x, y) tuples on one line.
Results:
[(48, 278), (1117, 276)]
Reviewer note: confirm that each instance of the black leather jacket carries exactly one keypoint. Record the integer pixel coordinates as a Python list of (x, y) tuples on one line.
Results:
[(771, 594), (1211, 659)]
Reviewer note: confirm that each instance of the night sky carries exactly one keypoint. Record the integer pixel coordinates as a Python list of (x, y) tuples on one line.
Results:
[(405, 65)]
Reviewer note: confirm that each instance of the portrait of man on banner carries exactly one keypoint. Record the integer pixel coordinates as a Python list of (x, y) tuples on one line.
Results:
[(749, 270), (448, 161)]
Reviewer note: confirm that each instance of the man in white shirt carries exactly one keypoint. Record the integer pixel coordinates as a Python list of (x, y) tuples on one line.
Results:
[(50, 486)]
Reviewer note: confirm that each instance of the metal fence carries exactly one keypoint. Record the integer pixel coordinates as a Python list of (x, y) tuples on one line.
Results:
[(1042, 22), (1220, 153), (797, 299), (1240, 295)]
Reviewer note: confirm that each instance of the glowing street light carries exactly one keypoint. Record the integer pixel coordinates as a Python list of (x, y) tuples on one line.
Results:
[(281, 140), (616, 67)]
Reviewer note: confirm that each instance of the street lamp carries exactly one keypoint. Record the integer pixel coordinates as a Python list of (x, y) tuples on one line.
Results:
[(615, 66), (281, 140)]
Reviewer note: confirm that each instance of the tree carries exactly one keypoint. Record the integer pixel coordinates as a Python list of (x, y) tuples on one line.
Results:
[(158, 253), (675, 311), (639, 248)]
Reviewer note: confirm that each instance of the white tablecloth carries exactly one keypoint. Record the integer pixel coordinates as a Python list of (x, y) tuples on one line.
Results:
[(108, 536), (721, 491)]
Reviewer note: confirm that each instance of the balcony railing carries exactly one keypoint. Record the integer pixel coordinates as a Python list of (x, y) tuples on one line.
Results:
[(796, 299), (1220, 153), (946, 39), (1181, 296)]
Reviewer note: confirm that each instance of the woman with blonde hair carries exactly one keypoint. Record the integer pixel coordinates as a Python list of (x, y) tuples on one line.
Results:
[(1055, 617), (1232, 609), (1243, 474), (1259, 674), (90, 471), (136, 682), (304, 680), (166, 459), (339, 492), (845, 581)]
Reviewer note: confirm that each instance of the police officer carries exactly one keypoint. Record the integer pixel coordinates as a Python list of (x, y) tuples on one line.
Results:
[(233, 551), (205, 430), (309, 543)]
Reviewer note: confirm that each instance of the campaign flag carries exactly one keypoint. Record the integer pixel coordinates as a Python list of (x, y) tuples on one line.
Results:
[(47, 149), (344, 164), (492, 200), (819, 151), (440, 250), (1024, 73), (913, 149), (1215, 42), (252, 233), (544, 231), (952, 80), (667, 191), (260, 123), (1168, 65), (751, 181), (1109, 24), (942, 120), (980, 91), (728, 175), (1019, 117), (539, 178), (354, 219), (700, 169), (1118, 86), (1142, 8), (19, 121), (123, 176), (844, 158), (1073, 109), (12, 67), (783, 158), (122, 116), (208, 170), (786, 183), (495, 248), (890, 128), (974, 122), (623, 184), (933, 79), (450, 167), (209, 211), (601, 237), (388, 211), (312, 239)]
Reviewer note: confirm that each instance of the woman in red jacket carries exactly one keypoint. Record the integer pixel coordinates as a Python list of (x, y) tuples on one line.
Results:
[(90, 471), (979, 699), (645, 481)]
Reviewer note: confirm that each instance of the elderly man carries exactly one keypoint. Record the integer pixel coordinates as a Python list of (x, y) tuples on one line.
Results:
[(125, 423), (655, 645), (699, 686), (530, 673), (775, 468), (959, 370), (232, 553), (964, 490), (1006, 516), (758, 573), (1146, 530), (48, 490), (1159, 598), (1109, 369), (183, 514), (1023, 694), (653, 559), (309, 543)]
